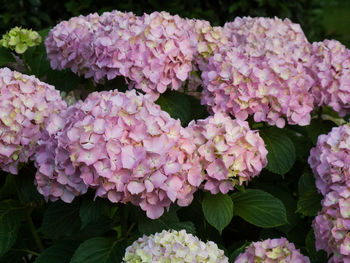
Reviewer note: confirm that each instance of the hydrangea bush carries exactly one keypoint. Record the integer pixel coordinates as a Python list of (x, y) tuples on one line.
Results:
[(131, 138)]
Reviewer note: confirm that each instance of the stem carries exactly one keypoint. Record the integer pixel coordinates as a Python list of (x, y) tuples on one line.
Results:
[(34, 232), (129, 230), (30, 221)]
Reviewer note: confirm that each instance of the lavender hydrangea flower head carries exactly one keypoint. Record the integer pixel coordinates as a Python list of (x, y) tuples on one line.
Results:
[(332, 225), (330, 159), (173, 246), (272, 251), (68, 44), (56, 176), (26, 106)]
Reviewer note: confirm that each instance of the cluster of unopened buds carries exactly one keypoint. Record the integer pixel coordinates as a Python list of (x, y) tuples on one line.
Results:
[(173, 246), (20, 39), (272, 251)]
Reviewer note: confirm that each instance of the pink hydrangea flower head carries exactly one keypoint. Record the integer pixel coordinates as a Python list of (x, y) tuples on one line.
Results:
[(331, 66), (26, 106), (230, 153), (56, 177), (270, 37), (272, 250), (129, 150), (173, 246), (261, 74), (111, 45), (330, 159), (153, 51), (332, 224)]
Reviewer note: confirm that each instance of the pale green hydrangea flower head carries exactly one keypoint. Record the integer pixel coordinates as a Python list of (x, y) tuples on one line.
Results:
[(19, 39), (173, 247)]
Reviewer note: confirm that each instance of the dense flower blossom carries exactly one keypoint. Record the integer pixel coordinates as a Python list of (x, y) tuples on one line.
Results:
[(153, 51), (230, 153), (332, 225), (68, 44), (206, 40), (131, 151), (56, 177), (331, 66), (26, 106), (19, 39), (272, 250), (173, 246), (330, 159), (261, 72)]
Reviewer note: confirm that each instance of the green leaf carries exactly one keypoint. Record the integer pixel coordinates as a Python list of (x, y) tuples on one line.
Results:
[(281, 156), (309, 203), (282, 192), (91, 211), (60, 252), (5, 56), (10, 221), (259, 208), (60, 219), (177, 105), (8, 189), (63, 80), (218, 210), (99, 249), (306, 182), (95, 229), (318, 127), (36, 58), (167, 221), (27, 188)]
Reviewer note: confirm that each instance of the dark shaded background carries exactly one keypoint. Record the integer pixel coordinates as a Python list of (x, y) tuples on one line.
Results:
[(320, 19)]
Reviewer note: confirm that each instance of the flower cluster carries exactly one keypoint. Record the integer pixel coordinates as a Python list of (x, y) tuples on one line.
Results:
[(261, 73), (130, 150), (330, 159), (153, 51), (272, 250), (26, 106), (331, 66), (56, 177), (332, 224), (68, 44), (206, 40), (19, 39), (173, 246), (230, 153)]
